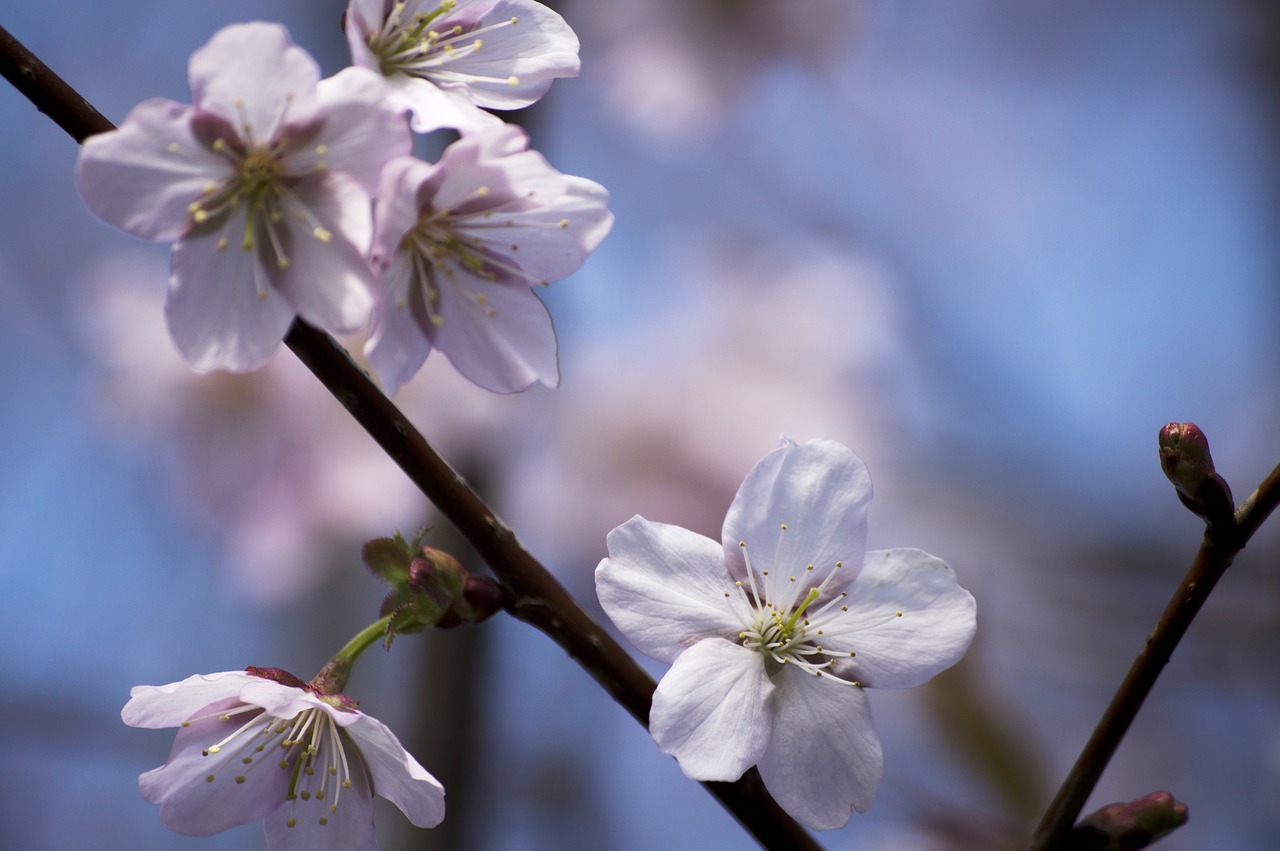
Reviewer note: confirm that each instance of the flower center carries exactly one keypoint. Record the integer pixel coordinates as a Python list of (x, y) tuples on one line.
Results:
[(308, 746), (782, 622), (407, 44)]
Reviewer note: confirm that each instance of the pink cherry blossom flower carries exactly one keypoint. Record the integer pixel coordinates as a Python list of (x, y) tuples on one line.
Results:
[(263, 745), (444, 58), (774, 634), (461, 242), (264, 185)]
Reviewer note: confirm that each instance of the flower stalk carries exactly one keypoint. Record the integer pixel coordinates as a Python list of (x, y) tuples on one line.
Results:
[(333, 677)]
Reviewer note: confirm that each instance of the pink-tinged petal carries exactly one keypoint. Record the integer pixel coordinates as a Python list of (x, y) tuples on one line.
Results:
[(170, 705), (713, 710), (328, 281), (284, 701), (348, 828), (363, 19), (397, 345), (360, 133), (483, 159), (142, 177), (908, 619), (665, 588), (824, 759), (396, 775), (497, 335), (253, 76), (549, 242), (397, 205), (434, 108), (538, 48), (191, 803), (821, 491), (215, 313)]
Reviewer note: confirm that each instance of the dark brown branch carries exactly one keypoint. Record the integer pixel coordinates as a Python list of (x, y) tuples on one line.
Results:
[(1216, 553), (534, 595)]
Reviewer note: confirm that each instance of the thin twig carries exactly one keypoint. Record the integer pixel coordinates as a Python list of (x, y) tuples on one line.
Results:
[(534, 595), (1216, 553)]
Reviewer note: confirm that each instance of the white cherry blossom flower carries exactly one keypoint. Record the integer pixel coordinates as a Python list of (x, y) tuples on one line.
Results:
[(262, 745), (774, 634), (445, 58), (263, 183), (461, 243)]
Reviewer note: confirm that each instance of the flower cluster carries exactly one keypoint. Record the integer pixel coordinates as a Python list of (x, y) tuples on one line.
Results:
[(774, 633), (268, 181)]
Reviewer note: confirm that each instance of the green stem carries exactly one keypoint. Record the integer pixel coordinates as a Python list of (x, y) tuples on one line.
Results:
[(333, 677)]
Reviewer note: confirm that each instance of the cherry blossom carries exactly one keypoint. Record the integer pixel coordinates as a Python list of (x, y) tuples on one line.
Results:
[(263, 183), (459, 245), (263, 745), (443, 58), (774, 633)]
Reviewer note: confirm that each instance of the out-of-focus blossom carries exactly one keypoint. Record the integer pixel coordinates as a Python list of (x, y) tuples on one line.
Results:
[(444, 59), (263, 184), (674, 68), (263, 745), (460, 244), (774, 633)]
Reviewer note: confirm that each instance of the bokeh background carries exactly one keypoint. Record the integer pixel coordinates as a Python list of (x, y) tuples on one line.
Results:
[(991, 246)]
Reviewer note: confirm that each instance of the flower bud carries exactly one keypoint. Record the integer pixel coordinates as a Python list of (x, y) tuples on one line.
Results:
[(1185, 459), (1122, 827)]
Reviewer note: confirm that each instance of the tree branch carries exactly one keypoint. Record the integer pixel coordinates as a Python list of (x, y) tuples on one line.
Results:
[(534, 595), (1217, 550)]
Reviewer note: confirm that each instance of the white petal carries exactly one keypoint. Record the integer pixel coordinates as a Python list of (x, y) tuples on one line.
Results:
[(713, 710), (664, 587), (398, 344), (935, 628), (349, 828), (253, 75), (142, 177), (498, 335), (434, 108), (361, 133), (213, 309), (821, 491), (396, 775), (193, 805), (824, 758), (170, 705), (328, 281)]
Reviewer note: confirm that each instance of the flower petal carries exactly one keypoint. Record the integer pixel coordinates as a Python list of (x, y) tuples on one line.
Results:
[(398, 344), (824, 758), (396, 775), (349, 827), (191, 803), (254, 77), (142, 176), (216, 315), (665, 588), (713, 710), (536, 49), (170, 705), (434, 108), (497, 335), (361, 133), (328, 281), (908, 619), (821, 491)]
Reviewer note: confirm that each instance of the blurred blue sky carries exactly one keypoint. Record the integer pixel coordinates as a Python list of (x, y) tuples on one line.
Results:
[(992, 246)]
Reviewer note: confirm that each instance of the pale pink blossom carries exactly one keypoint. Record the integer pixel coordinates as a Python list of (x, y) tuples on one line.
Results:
[(461, 243), (443, 59), (263, 183), (264, 746), (775, 632)]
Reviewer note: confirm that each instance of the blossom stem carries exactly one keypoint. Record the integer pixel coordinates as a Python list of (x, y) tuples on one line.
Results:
[(333, 677), (534, 595), (1217, 550)]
